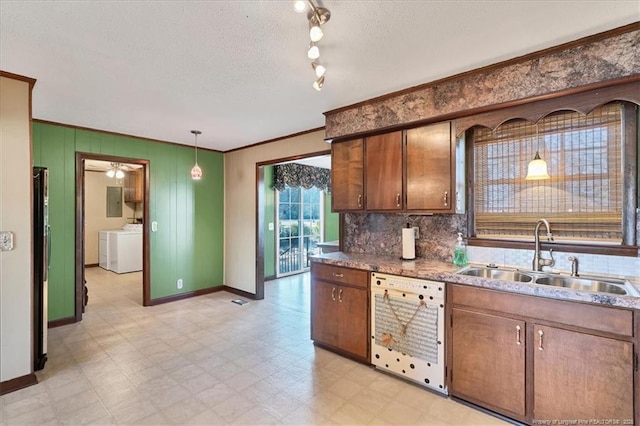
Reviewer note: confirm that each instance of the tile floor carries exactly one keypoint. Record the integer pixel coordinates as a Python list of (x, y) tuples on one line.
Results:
[(208, 361)]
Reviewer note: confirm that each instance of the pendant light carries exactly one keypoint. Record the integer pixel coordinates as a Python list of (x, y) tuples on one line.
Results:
[(537, 169), (196, 171)]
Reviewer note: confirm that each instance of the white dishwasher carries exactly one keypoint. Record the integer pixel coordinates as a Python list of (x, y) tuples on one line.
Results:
[(407, 329), (121, 251)]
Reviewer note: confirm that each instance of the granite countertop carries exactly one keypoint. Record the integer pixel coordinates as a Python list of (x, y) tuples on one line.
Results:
[(443, 271)]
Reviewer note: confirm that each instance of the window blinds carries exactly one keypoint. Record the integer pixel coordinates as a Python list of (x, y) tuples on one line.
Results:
[(583, 198)]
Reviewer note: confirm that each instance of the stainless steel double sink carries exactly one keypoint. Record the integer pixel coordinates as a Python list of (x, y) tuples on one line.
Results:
[(583, 283)]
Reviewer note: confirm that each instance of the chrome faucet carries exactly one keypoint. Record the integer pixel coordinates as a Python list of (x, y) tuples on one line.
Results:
[(538, 260), (574, 266)]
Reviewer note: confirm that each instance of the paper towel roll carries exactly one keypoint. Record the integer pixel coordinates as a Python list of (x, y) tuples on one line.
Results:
[(408, 244)]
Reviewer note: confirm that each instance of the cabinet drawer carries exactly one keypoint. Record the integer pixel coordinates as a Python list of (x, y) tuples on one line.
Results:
[(339, 274), (599, 318)]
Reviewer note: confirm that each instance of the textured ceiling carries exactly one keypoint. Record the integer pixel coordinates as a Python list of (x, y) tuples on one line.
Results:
[(238, 71)]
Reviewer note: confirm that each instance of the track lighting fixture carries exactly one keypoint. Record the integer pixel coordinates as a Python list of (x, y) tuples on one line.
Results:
[(196, 171), (317, 17)]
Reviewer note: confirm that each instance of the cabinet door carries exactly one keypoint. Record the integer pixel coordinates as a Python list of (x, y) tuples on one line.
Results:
[(430, 168), (353, 314), (324, 314), (347, 175), (384, 171), (488, 354), (133, 186), (580, 376)]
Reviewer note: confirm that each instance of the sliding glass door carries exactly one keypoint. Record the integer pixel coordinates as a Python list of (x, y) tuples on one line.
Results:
[(299, 227)]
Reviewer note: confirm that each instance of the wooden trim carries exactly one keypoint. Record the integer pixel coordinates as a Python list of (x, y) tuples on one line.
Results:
[(31, 81), (583, 99), (186, 295), (18, 383), (293, 135), (107, 132), (629, 251), (62, 321), (241, 292), (92, 265), (259, 215), (519, 59), (294, 158)]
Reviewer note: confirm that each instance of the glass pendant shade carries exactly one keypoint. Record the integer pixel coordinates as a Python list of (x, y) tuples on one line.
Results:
[(119, 174), (537, 169), (315, 32), (318, 83), (111, 173), (300, 6), (319, 69), (313, 52), (196, 172)]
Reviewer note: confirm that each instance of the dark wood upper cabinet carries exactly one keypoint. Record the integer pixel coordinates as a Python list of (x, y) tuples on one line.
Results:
[(347, 175), (133, 186), (384, 172), (430, 168)]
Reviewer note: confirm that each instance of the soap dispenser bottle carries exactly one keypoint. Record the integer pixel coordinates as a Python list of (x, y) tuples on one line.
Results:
[(460, 252)]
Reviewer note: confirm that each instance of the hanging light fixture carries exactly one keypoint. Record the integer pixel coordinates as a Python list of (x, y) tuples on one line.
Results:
[(116, 171), (196, 171), (537, 169), (317, 17)]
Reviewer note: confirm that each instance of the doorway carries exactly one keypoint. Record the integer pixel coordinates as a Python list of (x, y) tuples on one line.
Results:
[(142, 168), (263, 226)]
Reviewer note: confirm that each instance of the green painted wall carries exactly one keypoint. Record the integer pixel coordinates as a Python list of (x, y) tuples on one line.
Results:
[(331, 221), (189, 242), (269, 217)]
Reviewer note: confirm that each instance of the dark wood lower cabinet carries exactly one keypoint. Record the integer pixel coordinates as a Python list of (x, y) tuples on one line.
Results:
[(542, 361), (579, 376), (340, 309), (489, 361)]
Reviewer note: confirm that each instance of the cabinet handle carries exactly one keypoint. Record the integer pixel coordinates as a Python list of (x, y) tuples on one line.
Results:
[(340, 296), (398, 199), (540, 333), (337, 275), (333, 294), (518, 335), (359, 200), (445, 199)]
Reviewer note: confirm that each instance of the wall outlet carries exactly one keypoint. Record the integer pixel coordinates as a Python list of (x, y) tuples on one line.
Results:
[(416, 232), (154, 226), (270, 226), (179, 283), (6, 240)]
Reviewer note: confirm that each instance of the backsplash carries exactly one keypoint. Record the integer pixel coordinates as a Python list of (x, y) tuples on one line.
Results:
[(379, 233)]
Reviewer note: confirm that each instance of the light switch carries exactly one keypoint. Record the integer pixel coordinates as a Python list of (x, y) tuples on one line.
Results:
[(154, 226), (6, 240), (270, 226)]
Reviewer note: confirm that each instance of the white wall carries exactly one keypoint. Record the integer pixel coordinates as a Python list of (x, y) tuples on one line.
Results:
[(95, 212), (15, 216), (240, 202)]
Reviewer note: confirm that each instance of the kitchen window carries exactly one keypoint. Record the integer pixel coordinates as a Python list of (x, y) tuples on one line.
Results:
[(586, 198)]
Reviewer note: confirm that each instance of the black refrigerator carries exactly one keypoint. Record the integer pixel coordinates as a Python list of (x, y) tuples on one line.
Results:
[(41, 256)]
